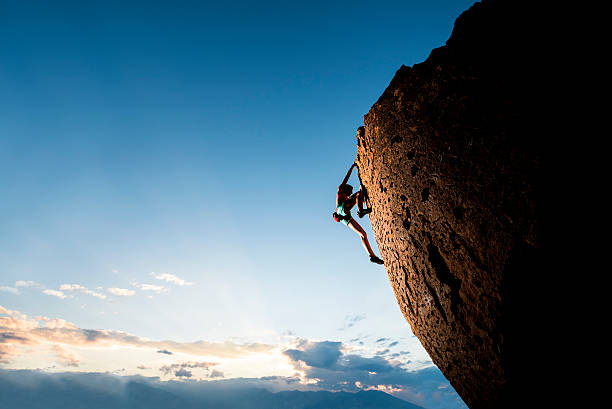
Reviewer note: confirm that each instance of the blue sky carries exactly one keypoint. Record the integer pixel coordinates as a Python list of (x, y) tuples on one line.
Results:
[(201, 143)]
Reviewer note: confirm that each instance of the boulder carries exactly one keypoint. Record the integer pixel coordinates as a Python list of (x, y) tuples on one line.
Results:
[(451, 163)]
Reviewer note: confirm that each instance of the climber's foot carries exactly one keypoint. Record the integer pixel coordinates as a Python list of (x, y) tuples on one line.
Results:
[(376, 260), (363, 212)]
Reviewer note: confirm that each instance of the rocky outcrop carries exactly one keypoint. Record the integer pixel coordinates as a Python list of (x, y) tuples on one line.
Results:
[(451, 162)]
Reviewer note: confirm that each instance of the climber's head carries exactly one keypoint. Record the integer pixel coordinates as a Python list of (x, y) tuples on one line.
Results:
[(348, 189)]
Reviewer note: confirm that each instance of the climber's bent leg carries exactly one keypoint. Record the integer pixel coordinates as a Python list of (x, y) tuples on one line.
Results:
[(360, 201)]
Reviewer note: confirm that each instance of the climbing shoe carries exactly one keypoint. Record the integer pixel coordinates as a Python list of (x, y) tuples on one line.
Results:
[(363, 212), (376, 260)]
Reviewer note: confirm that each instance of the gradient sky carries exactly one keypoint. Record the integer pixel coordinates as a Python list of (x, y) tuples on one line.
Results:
[(170, 172)]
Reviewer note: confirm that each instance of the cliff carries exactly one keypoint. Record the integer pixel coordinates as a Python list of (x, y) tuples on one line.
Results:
[(451, 161)]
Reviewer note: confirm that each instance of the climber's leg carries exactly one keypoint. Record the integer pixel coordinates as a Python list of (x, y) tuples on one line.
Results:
[(362, 234), (360, 201), (364, 240)]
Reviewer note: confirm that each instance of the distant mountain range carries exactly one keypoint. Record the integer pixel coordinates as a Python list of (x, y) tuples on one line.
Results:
[(33, 390)]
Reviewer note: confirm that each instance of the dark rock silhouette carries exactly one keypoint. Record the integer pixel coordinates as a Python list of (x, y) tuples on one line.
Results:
[(451, 161)]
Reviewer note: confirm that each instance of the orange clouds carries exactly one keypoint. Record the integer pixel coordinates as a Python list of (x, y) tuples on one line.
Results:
[(18, 331), (65, 357)]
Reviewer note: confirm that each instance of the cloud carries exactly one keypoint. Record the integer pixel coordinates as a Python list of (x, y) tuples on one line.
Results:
[(164, 351), (355, 318), (171, 278), (79, 288), (11, 290), (183, 373), (121, 292), (54, 323), (151, 287), (216, 374), (21, 283), (351, 320), (64, 357), (320, 354), (55, 293), (17, 330), (9, 345), (312, 365), (181, 369), (330, 368)]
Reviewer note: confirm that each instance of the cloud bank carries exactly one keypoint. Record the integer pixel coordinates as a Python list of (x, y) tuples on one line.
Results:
[(329, 365), (297, 364)]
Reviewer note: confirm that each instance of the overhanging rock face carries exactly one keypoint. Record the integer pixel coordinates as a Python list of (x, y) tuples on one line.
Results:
[(451, 165)]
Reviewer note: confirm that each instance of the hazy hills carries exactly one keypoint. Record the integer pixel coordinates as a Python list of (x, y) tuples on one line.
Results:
[(35, 390)]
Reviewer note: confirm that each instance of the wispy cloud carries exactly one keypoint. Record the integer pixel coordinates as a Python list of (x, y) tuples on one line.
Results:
[(164, 351), (150, 287), (55, 293), (80, 289), (121, 292), (351, 320), (21, 283), (171, 278), (11, 290)]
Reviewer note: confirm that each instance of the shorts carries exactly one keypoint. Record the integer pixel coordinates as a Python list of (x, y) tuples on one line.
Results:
[(340, 211)]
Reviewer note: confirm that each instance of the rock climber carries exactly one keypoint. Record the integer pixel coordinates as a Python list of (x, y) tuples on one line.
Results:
[(345, 200)]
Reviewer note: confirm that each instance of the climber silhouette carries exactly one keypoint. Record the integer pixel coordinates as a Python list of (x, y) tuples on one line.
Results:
[(345, 200)]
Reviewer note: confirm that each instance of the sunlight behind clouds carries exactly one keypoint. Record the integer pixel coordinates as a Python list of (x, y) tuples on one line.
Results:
[(291, 363), (30, 343)]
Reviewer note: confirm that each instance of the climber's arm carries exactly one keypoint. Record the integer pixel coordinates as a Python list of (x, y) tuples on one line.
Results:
[(348, 175)]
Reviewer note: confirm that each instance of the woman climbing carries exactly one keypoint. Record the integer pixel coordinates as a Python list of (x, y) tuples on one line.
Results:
[(345, 200)]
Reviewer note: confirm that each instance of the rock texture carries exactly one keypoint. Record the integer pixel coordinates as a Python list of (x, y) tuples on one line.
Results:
[(451, 162)]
